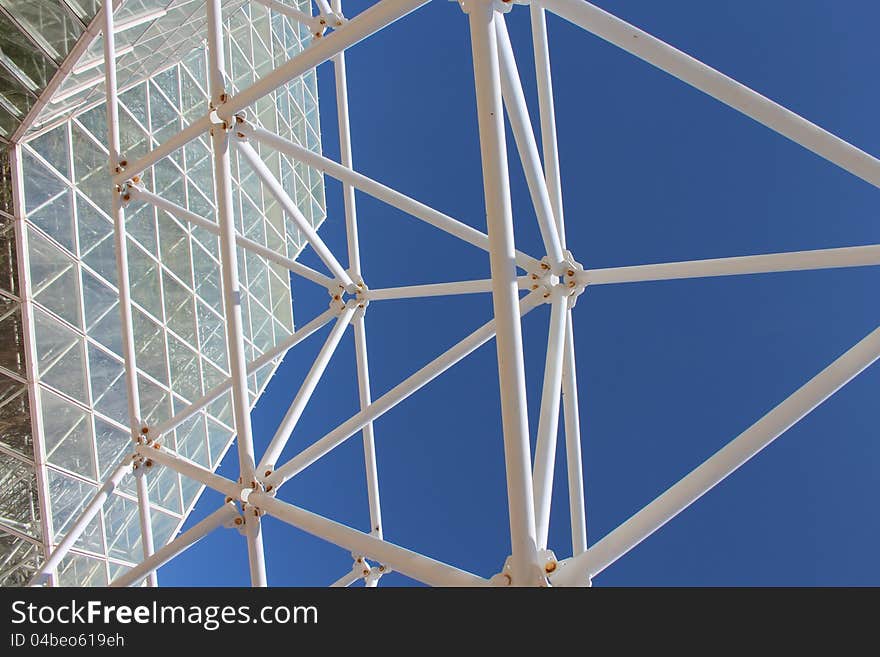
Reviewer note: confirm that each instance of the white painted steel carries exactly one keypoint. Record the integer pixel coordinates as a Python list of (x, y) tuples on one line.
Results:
[(724, 462), (721, 87), (417, 566), (180, 544), (508, 342)]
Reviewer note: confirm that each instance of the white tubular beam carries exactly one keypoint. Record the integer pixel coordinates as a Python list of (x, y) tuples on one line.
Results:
[(354, 265), (849, 256), (378, 190), (576, 503), (179, 545), (548, 421), (229, 264), (346, 580), (521, 125), (298, 336), (181, 139), (183, 214), (412, 564), (391, 398), (189, 469), (79, 526), (268, 179), (128, 348), (143, 496), (282, 435), (723, 463), (719, 86), (365, 399), (290, 12), (368, 22), (499, 221), (547, 113), (432, 290), (253, 527)]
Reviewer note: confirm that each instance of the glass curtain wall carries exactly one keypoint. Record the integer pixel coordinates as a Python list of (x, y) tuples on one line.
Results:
[(79, 402)]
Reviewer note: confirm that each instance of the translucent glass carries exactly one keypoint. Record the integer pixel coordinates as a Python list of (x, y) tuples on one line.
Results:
[(96, 242), (179, 309), (143, 276), (164, 490), (212, 336), (185, 376), (174, 248), (112, 444), (31, 67), (67, 499), (54, 278), (218, 440), (164, 526), (68, 435), (192, 441), (123, 529), (47, 23), (81, 570), (90, 168), (149, 346), (54, 148), (40, 184), (60, 357), (107, 378)]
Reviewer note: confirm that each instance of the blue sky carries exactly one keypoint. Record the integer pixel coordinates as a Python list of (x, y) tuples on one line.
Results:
[(668, 372)]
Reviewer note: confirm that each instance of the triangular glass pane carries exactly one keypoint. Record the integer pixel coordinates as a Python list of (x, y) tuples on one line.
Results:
[(174, 246), (184, 363), (155, 405), (68, 435), (90, 168), (123, 529), (107, 378), (179, 310), (54, 148), (96, 243), (59, 356), (98, 300), (80, 570), (56, 219), (112, 444), (143, 275), (164, 526), (149, 341), (53, 278), (40, 184), (67, 498), (168, 82), (218, 439)]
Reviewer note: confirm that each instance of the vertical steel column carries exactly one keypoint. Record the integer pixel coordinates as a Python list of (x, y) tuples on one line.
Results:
[(231, 288), (573, 459), (550, 148), (354, 268), (505, 298), (134, 406)]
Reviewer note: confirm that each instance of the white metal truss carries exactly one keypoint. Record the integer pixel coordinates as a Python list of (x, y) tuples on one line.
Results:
[(519, 283)]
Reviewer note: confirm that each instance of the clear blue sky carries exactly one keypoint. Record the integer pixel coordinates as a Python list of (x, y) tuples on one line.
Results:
[(669, 372)]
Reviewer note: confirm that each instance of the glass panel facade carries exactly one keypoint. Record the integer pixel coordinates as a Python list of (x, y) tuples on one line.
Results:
[(79, 429)]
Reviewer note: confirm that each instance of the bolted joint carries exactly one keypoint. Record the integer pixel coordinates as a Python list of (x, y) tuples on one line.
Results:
[(351, 296), (563, 279)]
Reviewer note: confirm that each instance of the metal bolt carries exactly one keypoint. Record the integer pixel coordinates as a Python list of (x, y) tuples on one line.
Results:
[(571, 272), (366, 572), (126, 197), (145, 430), (240, 135), (544, 265), (157, 446), (257, 513), (381, 569), (227, 500), (549, 567), (148, 463), (534, 287), (223, 98), (238, 521), (123, 163), (534, 277), (267, 473), (269, 487), (571, 284), (135, 179), (547, 295), (322, 22)]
